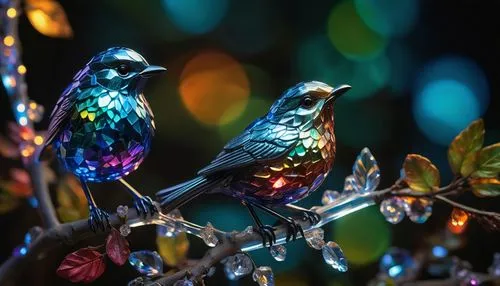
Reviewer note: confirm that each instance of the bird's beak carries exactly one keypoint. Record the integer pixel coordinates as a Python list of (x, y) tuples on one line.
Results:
[(338, 92), (152, 70)]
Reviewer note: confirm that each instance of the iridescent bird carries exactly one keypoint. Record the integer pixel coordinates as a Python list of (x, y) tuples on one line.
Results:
[(102, 126), (279, 159)]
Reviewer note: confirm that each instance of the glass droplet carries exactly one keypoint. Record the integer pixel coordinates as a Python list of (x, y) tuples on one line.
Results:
[(418, 210), (208, 235), (393, 210), (125, 230), (237, 266), (459, 217), (146, 262), (263, 276), (278, 252), (397, 263), (315, 238), (494, 269), (333, 256), (122, 211), (329, 197)]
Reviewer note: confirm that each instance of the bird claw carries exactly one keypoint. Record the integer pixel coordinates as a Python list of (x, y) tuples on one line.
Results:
[(313, 217), (145, 205), (98, 219), (293, 229), (267, 234)]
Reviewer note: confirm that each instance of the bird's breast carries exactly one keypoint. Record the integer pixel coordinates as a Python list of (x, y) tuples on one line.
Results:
[(108, 136), (301, 171)]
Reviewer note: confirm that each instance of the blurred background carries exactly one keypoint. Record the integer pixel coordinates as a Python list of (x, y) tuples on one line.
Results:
[(421, 71)]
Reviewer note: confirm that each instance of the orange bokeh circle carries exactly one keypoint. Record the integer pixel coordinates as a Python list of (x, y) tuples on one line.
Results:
[(214, 88)]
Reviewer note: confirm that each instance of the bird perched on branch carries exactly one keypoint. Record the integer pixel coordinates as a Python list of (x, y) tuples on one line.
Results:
[(102, 125), (279, 159)]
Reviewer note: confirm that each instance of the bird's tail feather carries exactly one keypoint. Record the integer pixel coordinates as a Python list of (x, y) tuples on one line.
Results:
[(176, 196)]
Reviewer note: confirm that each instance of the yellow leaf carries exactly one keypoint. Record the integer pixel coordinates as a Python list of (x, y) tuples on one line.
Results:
[(469, 164), (485, 187), (173, 250), (469, 140), (488, 162), (71, 198), (48, 18), (420, 174)]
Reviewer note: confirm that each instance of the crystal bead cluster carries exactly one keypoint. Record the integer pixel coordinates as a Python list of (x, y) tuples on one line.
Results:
[(365, 178), (237, 266), (418, 210), (263, 276), (332, 253), (146, 262), (462, 271)]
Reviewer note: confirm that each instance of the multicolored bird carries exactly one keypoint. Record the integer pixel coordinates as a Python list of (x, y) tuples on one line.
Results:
[(102, 125), (279, 159)]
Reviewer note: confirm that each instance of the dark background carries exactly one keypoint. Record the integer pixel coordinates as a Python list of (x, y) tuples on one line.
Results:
[(404, 74)]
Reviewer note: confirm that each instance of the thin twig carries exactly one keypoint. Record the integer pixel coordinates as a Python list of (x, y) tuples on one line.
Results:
[(467, 208)]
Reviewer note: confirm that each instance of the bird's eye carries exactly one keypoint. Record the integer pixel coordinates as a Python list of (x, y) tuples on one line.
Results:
[(307, 102), (123, 69)]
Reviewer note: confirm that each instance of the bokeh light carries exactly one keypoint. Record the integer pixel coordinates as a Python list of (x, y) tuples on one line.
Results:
[(350, 35), (196, 16), (388, 17), (250, 27), (449, 93), (443, 108), (364, 236), (214, 88), (317, 59)]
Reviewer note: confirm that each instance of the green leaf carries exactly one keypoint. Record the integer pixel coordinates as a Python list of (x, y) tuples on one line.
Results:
[(420, 174), (485, 187), (173, 250), (469, 140), (488, 162), (470, 164)]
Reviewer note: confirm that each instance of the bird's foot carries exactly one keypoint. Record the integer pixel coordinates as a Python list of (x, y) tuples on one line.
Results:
[(98, 219), (267, 234), (311, 216), (294, 228), (145, 205)]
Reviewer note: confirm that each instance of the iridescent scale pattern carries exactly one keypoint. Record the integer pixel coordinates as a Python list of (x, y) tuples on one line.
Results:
[(102, 124)]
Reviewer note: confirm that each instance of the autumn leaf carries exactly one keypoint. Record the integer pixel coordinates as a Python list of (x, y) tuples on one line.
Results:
[(469, 140), (488, 162), (71, 199), (485, 187), (420, 174), (173, 250), (84, 265), (117, 247), (48, 18)]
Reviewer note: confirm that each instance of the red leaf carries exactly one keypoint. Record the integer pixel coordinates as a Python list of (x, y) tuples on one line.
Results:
[(84, 265), (117, 247)]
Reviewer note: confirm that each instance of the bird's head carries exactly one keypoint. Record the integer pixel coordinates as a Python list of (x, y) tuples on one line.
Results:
[(305, 102), (118, 69)]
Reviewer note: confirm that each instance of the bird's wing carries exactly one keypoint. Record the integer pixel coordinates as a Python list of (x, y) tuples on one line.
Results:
[(61, 113), (261, 141)]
